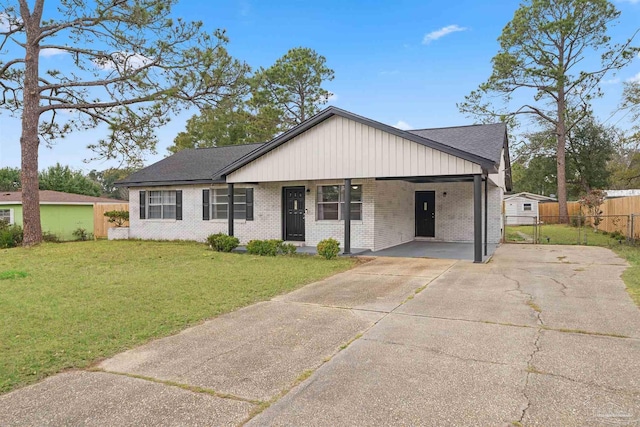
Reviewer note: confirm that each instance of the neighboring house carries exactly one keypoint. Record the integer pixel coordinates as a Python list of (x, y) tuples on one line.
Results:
[(613, 194), (444, 184), (522, 208), (60, 213)]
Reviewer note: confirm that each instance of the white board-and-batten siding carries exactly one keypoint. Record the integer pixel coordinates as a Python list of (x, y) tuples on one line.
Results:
[(341, 148)]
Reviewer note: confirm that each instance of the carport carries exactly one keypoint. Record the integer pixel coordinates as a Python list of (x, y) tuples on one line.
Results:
[(431, 249)]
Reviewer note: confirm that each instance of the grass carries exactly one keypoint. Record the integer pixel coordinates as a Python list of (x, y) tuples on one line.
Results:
[(566, 235), (77, 303), (631, 275), (517, 233)]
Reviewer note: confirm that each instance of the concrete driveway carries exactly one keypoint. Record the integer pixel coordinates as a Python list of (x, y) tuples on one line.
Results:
[(542, 335)]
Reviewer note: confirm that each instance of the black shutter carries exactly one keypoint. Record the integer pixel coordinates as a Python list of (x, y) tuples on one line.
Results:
[(179, 205), (205, 205), (143, 204), (249, 193)]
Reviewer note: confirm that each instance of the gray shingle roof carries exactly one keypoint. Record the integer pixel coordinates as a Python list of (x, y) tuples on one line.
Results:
[(481, 144), (190, 166), (485, 141)]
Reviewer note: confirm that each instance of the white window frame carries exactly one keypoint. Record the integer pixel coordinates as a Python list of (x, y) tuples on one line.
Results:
[(163, 205), (11, 219), (239, 203), (340, 202), (525, 205)]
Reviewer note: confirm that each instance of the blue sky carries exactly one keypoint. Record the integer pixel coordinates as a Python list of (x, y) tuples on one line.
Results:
[(404, 63)]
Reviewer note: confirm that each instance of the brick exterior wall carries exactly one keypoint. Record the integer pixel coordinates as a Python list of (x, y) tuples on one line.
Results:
[(388, 214)]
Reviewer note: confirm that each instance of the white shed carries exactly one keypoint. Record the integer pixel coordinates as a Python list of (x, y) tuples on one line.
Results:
[(522, 208)]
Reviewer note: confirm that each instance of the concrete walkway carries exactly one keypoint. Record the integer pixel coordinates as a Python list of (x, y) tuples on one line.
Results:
[(542, 335)]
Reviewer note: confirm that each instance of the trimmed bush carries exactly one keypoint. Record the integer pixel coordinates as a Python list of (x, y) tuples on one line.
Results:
[(10, 235), (117, 217), (329, 248), (271, 247), (264, 247), (220, 242), (288, 248)]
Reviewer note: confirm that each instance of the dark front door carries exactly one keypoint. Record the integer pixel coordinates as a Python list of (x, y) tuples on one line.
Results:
[(426, 213), (294, 213)]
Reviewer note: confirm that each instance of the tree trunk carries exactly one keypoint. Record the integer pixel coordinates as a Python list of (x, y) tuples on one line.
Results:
[(561, 134), (29, 140)]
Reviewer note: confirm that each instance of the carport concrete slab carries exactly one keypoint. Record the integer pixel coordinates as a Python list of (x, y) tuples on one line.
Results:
[(253, 353), (603, 361), (483, 342), (473, 292), (433, 249), (375, 384), (524, 254), (100, 399), (373, 286), (560, 402)]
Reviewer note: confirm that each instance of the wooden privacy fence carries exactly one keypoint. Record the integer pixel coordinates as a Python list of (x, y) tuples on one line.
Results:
[(100, 222), (615, 213), (550, 212)]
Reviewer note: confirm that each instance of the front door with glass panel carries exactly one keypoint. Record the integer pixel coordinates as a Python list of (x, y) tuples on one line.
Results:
[(294, 213), (425, 214)]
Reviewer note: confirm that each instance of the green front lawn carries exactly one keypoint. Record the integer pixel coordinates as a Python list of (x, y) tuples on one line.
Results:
[(69, 305)]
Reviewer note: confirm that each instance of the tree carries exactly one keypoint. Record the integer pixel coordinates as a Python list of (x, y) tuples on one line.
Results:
[(107, 178), (542, 52), (9, 179), (63, 178), (592, 202), (590, 147), (293, 85), (228, 123), (125, 65)]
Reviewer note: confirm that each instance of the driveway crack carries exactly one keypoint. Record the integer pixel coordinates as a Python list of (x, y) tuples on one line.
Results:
[(530, 300), (530, 370)]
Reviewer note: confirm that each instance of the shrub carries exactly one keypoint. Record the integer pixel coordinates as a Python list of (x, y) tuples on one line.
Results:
[(288, 248), (10, 235), (82, 234), (264, 247), (220, 242), (329, 248), (117, 217), (578, 220), (50, 237), (617, 235)]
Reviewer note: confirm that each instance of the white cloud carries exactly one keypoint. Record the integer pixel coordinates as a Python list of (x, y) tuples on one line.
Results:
[(52, 51), (7, 22), (634, 79), (333, 98), (435, 35), (402, 125), (613, 81), (122, 61)]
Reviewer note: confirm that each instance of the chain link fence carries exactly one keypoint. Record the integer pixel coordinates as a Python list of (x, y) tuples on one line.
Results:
[(603, 230)]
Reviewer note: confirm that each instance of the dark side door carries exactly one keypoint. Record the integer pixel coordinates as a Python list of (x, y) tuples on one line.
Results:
[(293, 213), (425, 213)]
